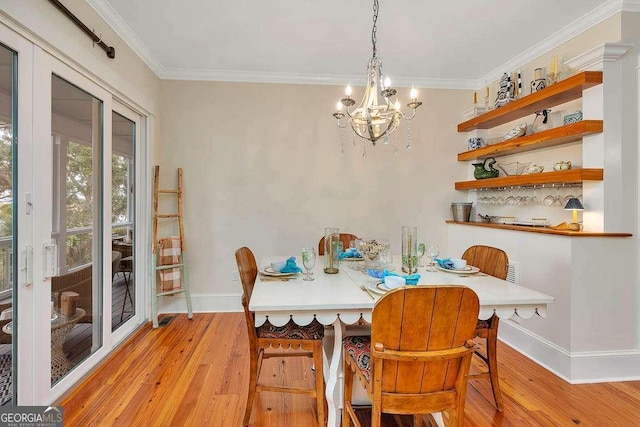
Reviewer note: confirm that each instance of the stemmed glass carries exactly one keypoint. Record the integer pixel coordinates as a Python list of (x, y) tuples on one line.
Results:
[(432, 251), (308, 262), (420, 253)]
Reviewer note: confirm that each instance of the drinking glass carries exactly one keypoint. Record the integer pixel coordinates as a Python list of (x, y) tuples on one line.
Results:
[(420, 253), (432, 251), (308, 262)]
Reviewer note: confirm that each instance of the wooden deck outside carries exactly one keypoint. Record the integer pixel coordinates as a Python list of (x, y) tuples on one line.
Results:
[(78, 344)]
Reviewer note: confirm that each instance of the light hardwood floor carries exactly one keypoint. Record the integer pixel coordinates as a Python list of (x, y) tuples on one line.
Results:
[(195, 373)]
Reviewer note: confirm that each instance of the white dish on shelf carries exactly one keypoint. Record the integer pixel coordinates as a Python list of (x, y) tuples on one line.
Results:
[(516, 132)]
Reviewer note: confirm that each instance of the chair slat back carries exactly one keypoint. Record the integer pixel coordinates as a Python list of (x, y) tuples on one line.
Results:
[(489, 260), (345, 238), (423, 318), (248, 270)]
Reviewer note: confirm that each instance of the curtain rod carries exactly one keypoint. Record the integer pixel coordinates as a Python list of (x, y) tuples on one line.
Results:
[(110, 50)]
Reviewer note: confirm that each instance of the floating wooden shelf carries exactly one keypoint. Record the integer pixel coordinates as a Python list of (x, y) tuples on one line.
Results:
[(557, 177), (543, 230), (548, 138), (559, 93)]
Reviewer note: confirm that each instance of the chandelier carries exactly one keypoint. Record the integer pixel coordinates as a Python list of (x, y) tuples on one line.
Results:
[(377, 116)]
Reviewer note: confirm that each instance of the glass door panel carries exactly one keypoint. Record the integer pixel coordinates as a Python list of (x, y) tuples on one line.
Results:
[(8, 224), (76, 290), (123, 206)]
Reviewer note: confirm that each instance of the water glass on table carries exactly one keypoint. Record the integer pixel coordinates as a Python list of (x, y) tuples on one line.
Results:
[(432, 252), (308, 262), (421, 250)]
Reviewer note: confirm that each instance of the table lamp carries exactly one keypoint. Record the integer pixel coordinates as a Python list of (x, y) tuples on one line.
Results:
[(574, 205)]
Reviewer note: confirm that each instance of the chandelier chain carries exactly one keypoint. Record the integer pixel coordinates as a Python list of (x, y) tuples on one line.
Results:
[(374, 39)]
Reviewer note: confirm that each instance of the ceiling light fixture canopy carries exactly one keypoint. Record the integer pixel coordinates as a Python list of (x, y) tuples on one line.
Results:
[(376, 116)]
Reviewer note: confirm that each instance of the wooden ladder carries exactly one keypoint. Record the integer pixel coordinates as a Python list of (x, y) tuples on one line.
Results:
[(155, 246)]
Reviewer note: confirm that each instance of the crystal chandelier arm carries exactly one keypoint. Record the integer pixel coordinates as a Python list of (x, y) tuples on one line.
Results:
[(413, 114)]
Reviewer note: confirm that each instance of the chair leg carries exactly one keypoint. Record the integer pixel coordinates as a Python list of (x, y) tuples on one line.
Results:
[(253, 380), (347, 376), (454, 420), (492, 357), (317, 361), (417, 420), (376, 415)]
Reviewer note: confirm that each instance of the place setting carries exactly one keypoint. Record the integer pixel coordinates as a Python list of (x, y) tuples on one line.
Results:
[(280, 271), (456, 266)]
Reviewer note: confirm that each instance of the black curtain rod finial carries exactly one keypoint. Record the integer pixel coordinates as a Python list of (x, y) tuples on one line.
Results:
[(110, 50)]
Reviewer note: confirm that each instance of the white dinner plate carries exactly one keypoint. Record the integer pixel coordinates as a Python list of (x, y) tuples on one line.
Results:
[(268, 271), (374, 288), (379, 288), (469, 269)]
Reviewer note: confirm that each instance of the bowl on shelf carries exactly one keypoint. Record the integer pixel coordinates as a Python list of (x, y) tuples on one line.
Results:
[(516, 132), (513, 168)]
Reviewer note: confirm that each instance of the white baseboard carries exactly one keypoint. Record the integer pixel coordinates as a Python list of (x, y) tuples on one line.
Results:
[(577, 367), (201, 303)]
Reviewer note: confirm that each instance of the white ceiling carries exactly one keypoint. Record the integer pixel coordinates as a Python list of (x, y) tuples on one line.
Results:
[(455, 43)]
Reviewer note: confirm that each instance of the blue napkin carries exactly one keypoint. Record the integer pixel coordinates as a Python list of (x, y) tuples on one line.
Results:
[(350, 253), (291, 266), (411, 279), (444, 263)]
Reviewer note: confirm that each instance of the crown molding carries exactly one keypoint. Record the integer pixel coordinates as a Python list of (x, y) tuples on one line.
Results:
[(596, 57), (580, 25), (631, 6), (298, 78), (585, 22), (125, 32)]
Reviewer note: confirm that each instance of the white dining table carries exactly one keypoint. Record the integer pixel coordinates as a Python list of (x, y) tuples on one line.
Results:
[(338, 300)]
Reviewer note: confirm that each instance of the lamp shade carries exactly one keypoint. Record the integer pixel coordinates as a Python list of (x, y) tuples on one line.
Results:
[(574, 204)]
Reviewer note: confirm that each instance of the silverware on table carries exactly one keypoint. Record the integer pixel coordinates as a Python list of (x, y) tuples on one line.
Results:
[(368, 291)]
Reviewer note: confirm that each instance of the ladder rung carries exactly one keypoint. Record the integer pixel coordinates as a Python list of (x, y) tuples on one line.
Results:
[(168, 191), (167, 267), (177, 291), (167, 216)]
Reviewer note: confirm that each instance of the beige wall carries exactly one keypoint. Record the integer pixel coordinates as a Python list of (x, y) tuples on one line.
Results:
[(262, 168)]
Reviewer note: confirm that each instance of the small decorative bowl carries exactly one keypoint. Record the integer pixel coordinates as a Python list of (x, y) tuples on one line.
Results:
[(276, 266), (459, 263), (513, 168), (393, 282)]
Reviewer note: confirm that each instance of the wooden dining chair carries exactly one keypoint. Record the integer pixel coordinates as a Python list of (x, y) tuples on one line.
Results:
[(494, 262), (294, 340), (418, 356), (345, 238)]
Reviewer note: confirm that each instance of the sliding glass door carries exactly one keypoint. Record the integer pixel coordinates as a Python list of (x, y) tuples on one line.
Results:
[(69, 178), (8, 222), (123, 183)]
